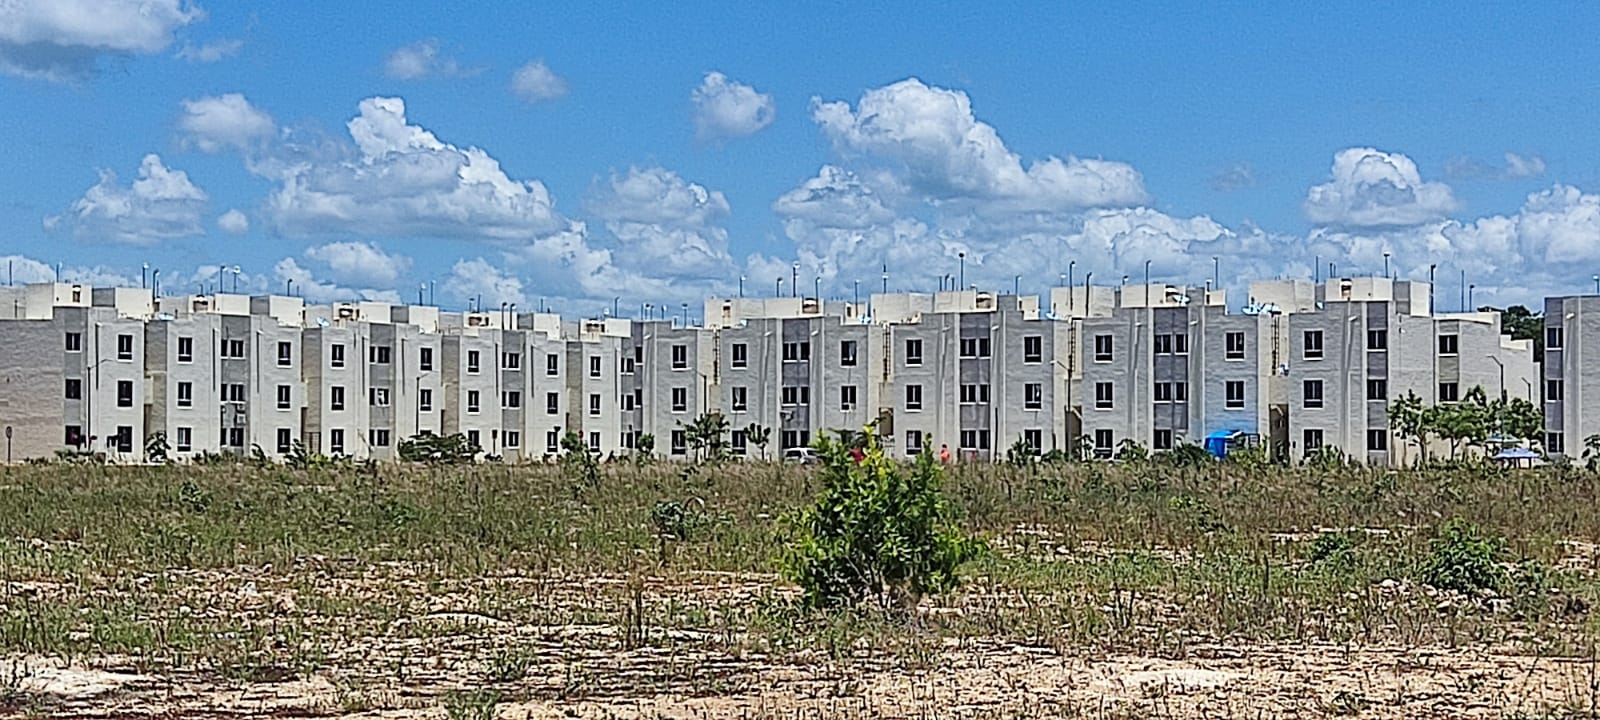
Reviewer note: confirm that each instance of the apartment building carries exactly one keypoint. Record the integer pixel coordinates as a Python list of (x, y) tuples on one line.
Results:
[(601, 360), (676, 365), (1570, 389)]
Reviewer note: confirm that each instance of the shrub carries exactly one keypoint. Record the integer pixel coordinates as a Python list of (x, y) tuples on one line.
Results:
[(426, 447), (1464, 558), (1334, 549), (876, 531)]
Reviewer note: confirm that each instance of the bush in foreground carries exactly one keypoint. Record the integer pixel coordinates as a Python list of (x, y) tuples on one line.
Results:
[(877, 531)]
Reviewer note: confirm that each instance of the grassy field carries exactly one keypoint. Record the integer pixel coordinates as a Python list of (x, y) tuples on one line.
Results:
[(1109, 591)]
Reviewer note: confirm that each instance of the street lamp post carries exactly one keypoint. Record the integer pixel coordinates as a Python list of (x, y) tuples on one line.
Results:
[(1216, 271), (1431, 269), (741, 286), (1502, 376), (794, 279), (961, 257), (1386, 264)]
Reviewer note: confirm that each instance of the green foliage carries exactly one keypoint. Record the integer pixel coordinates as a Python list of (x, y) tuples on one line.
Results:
[(1021, 454), (1464, 558), (1200, 515), (426, 447), (707, 436), (1327, 459), (674, 520), (480, 704), (644, 450), (1523, 324), (1409, 419), (1130, 451), (1332, 549), (582, 462), (759, 436), (156, 448), (1591, 453), (1186, 455), (876, 531)]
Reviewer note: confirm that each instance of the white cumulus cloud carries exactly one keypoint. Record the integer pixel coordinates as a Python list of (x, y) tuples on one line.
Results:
[(308, 285), (63, 40), (946, 152), (162, 203), (1372, 188), (233, 222), (726, 108), (360, 262), (536, 82), (472, 279), (423, 59), (1518, 166), (224, 121), (214, 51), (666, 226)]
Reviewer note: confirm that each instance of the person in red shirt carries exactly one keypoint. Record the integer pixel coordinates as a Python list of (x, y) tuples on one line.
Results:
[(944, 454)]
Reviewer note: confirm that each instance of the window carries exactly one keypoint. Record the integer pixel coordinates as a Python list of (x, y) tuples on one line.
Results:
[(1377, 389), (1032, 396), (847, 397), (285, 354), (552, 364), (1449, 344), (680, 357), (1311, 349), (847, 353), (74, 342), (594, 441), (473, 401), (1377, 440), (1102, 396), (796, 352), (1378, 339), (233, 392), (552, 441), (74, 389), (285, 440), (124, 438), (1552, 391), (1034, 439), (1180, 392), (1102, 348), (185, 349), (1163, 344), (1163, 392), (794, 438), (594, 366), (740, 355), (511, 399), (974, 439), (336, 355), (236, 437), (513, 439), (379, 437), (379, 397), (737, 398), (185, 394), (336, 397), (1033, 349), (233, 349), (185, 440), (125, 393), (974, 394), (680, 400), (913, 442), (425, 400), (626, 366), (74, 435), (511, 361), (552, 403), (975, 347), (124, 347), (594, 404), (285, 397), (1235, 346), (1311, 393), (739, 442), (914, 353), (1103, 442), (1552, 339), (1449, 392), (336, 441), (627, 403), (796, 395), (1234, 395), (1180, 344), (380, 354), (1311, 439), (680, 444), (1555, 443), (474, 361), (913, 397), (425, 359), (1162, 440)]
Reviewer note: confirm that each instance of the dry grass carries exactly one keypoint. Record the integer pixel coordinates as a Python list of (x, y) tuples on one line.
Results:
[(1111, 592)]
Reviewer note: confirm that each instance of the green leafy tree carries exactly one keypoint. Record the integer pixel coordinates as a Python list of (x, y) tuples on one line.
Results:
[(1591, 452), (156, 448), (758, 436), (1409, 419), (1522, 324), (707, 436), (1187, 455), (1022, 454), (1461, 423), (581, 461), (644, 449), (1130, 451), (877, 531)]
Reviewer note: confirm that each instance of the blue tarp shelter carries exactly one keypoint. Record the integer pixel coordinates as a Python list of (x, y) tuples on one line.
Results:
[(1217, 443)]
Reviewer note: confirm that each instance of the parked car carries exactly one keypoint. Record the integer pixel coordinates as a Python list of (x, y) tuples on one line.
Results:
[(801, 456)]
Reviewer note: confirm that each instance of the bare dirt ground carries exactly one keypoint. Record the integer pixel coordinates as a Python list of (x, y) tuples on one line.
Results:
[(414, 648)]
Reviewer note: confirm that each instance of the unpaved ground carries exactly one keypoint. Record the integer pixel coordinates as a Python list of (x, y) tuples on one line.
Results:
[(391, 641)]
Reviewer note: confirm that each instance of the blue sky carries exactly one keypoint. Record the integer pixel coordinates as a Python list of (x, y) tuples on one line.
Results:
[(658, 153)]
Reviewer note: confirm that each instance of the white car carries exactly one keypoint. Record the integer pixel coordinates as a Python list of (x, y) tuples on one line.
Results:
[(801, 456)]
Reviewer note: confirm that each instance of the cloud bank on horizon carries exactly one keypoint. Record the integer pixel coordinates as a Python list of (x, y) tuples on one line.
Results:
[(914, 177)]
